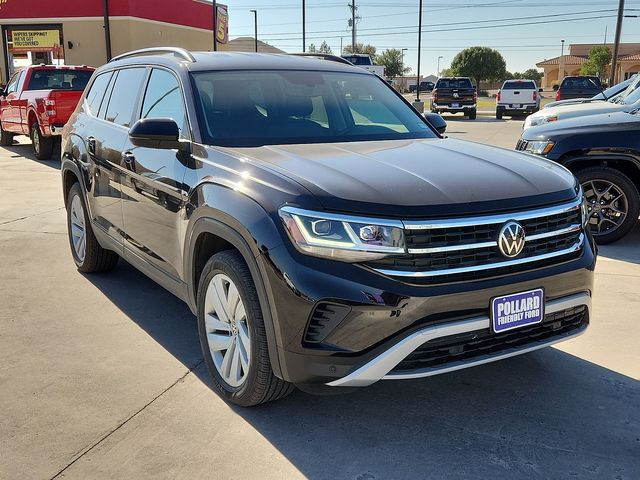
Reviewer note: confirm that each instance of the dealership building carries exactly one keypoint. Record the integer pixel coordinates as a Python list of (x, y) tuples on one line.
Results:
[(89, 32), (555, 69)]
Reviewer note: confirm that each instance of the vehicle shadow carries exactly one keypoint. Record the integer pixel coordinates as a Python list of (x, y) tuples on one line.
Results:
[(546, 415), (25, 150), (627, 249)]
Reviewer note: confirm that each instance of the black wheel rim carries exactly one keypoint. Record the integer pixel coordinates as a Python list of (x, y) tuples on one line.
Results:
[(607, 206)]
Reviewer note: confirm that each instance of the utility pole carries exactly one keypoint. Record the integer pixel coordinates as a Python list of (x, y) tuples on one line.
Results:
[(353, 8), (255, 29), (304, 43), (215, 26), (419, 48), (616, 45)]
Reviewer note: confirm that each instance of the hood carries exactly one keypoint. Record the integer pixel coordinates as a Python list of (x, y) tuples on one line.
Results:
[(578, 109), (428, 177), (607, 122)]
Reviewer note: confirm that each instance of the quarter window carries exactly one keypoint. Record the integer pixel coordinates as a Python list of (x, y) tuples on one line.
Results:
[(163, 99), (96, 93), (124, 95)]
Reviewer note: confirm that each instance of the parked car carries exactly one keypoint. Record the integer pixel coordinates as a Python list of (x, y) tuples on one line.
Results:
[(453, 95), (38, 101), (365, 61), (424, 87), (609, 93), (603, 151), (625, 101), (578, 87), (517, 97), (321, 230)]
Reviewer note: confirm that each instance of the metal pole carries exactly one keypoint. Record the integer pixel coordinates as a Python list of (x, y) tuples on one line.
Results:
[(616, 45), (561, 63), (304, 43), (340, 46), (255, 28), (419, 46), (215, 26), (107, 29), (353, 25), (438, 72)]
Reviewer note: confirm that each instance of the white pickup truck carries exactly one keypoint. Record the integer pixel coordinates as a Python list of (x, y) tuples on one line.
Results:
[(517, 97), (365, 61)]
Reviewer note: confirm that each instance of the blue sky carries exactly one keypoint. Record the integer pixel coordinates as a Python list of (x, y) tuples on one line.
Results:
[(529, 31)]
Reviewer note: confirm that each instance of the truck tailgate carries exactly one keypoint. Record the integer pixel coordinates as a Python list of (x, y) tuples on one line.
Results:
[(64, 103), (456, 95), (517, 97)]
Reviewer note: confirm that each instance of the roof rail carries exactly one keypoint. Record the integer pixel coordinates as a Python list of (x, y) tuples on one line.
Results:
[(323, 56), (178, 52)]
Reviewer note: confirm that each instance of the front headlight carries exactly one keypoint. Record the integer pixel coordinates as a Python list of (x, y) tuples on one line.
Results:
[(342, 237), (539, 148)]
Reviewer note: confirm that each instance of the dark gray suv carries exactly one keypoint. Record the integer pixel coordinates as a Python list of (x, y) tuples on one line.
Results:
[(319, 227)]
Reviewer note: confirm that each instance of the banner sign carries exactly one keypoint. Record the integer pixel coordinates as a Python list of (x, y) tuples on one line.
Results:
[(222, 27), (23, 41)]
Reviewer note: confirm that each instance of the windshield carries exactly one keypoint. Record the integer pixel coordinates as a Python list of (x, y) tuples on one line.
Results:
[(253, 108), (59, 79), (611, 92), (631, 93)]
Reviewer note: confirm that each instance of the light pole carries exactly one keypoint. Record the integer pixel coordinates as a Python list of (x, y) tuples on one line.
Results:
[(402, 51), (419, 47), (255, 28), (440, 57), (304, 43)]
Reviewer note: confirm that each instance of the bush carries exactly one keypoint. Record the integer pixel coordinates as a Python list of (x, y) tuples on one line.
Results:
[(483, 93)]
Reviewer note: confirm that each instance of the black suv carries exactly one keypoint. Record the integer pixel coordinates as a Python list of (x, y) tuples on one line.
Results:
[(603, 152), (321, 230)]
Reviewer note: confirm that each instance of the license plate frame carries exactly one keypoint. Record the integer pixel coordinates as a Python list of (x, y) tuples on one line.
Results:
[(455, 105), (515, 106), (536, 308)]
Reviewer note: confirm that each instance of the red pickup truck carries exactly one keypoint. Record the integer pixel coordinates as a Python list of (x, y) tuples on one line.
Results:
[(38, 101)]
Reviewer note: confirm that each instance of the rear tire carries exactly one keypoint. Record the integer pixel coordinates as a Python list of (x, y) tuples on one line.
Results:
[(595, 181), (499, 113), (42, 146), (246, 379), (472, 115), (6, 138), (88, 254)]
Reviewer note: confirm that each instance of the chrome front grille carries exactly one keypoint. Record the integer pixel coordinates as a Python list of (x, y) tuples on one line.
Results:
[(454, 250)]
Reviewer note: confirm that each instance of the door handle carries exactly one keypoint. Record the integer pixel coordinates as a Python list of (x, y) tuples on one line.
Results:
[(91, 145), (129, 161)]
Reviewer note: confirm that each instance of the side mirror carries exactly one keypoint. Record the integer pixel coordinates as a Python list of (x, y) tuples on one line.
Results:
[(436, 122), (541, 90), (155, 133)]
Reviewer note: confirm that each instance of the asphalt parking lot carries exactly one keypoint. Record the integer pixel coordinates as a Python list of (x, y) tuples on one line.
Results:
[(101, 376)]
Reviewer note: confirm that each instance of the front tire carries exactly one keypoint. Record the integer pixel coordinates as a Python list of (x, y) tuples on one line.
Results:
[(6, 138), (88, 254), (613, 202), (232, 333), (42, 146)]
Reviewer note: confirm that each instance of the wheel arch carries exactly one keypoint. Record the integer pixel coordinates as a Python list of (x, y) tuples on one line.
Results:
[(626, 163), (210, 236)]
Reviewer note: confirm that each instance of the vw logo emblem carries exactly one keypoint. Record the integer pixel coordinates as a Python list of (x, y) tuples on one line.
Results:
[(511, 239)]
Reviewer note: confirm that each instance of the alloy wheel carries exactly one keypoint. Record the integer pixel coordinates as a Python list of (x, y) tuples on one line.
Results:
[(607, 206), (78, 230), (227, 330)]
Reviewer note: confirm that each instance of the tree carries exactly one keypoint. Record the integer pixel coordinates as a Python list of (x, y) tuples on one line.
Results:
[(392, 61), (446, 72), (533, 74), (599, 59), (479, 63), (325, 48), (312, 48), (361, 48)]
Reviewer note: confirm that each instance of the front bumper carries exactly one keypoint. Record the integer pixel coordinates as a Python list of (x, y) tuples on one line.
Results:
[(369, 322), (447, 107)]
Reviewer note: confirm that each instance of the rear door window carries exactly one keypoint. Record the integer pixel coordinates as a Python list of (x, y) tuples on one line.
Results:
[(96, 93), (124, 96)]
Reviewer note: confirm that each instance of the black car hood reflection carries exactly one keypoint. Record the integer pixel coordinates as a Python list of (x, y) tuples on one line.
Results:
[(416, 177)]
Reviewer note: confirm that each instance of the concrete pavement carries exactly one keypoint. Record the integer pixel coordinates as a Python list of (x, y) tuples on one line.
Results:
[(101, 377)]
